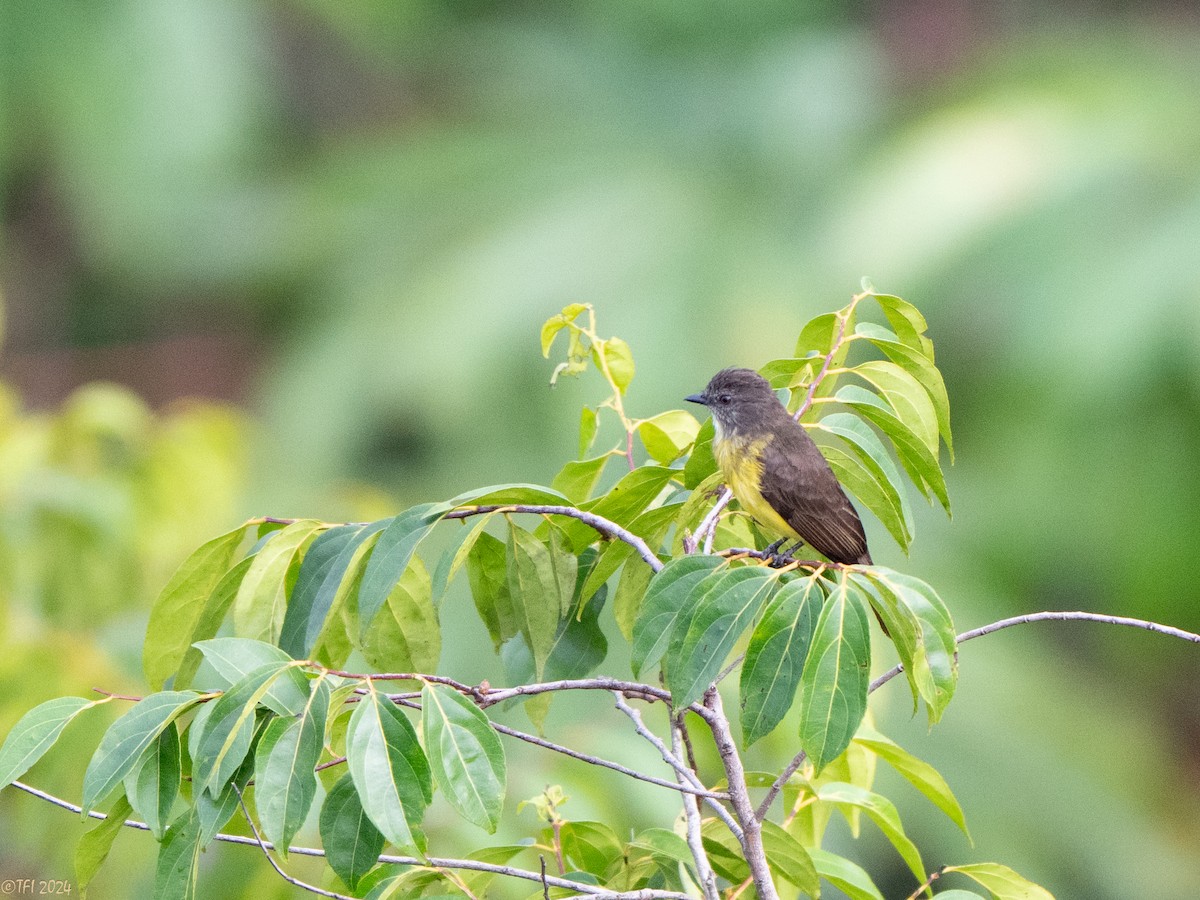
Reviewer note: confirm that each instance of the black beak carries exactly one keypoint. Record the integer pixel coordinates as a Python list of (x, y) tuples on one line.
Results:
[(697, 398)]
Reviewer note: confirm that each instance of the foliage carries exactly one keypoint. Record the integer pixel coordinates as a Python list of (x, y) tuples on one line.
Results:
[(121, 492), (248, 644)]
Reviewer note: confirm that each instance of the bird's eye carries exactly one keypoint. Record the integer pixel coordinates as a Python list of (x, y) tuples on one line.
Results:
[(723, 398)]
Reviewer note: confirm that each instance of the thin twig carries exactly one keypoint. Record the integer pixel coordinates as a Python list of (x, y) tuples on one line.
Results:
[(927, 884), (312, 888), (1053, 616), (673, 761), (599, 523), (691, 814), (434, 862), (735, 776), (1047, 616), (497, 695), (598, 761), (778, 783)]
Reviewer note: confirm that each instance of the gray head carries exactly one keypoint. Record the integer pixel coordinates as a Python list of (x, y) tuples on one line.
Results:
[(741, 401)]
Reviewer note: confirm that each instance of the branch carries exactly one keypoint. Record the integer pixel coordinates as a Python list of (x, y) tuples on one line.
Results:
[(735, 776), (691, 814), (1047, 616), (605, 526), (674, 762), (312, 888), (1053, 616), (616, 767), (430, 862), (602, 683)]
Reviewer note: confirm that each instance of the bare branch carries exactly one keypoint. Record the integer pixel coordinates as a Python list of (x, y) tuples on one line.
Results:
[(629, 688), (599, 523), (1053, 616), (312, 888), (434, 862), (674, 761), (1047, 616), (598, 761), (691, 813), (777, 785), (735, 775)]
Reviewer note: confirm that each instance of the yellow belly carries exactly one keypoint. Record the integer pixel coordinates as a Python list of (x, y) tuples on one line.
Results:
[(740, 460)]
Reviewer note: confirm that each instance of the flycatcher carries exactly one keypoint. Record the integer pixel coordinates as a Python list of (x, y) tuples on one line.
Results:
[(776, 471)]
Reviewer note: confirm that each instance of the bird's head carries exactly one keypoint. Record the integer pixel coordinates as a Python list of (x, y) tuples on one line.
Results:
[(740, 401)]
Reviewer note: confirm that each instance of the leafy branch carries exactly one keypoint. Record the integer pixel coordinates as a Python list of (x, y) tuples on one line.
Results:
[(248, 654)]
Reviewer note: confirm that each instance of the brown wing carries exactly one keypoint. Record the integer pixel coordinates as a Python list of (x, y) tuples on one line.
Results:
[(800, 486)]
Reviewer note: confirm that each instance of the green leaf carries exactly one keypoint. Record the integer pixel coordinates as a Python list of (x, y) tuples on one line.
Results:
[(509, 495), (35, 733), (920, 774), (554, 324), (708, 629), (284, 778), (232, 659), (958, 894), (179, 860), (261, 601), (849, 878), (882, 812), (578, 478), (391, 556), (918, 460), (665, 845), (617, 360), (389, 768), (456, 555), (701, 463), (1002, 881), (93, 846), (667, 435), (176, 612), (323, 569), (628, 498), (465, 755), (215, 812), (651, 526), (127, 738), (907, 321), (919, 366), (932, 663), (153, 784), (593, 847), (775, 656), (405, 636), (725, 854), (788, 859), (629, 596), (874, 457), (669, 591), (874, 494), (589, 424), (833, 685), (209, 623), (536, 591), (488, 573), (352, 842), (227, 731), (906, 395)]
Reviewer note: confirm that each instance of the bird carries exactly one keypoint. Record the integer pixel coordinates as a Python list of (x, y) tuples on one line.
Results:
[(776, 471)]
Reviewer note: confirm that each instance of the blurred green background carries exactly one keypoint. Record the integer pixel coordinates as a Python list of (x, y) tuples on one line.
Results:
[(339, 225)]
